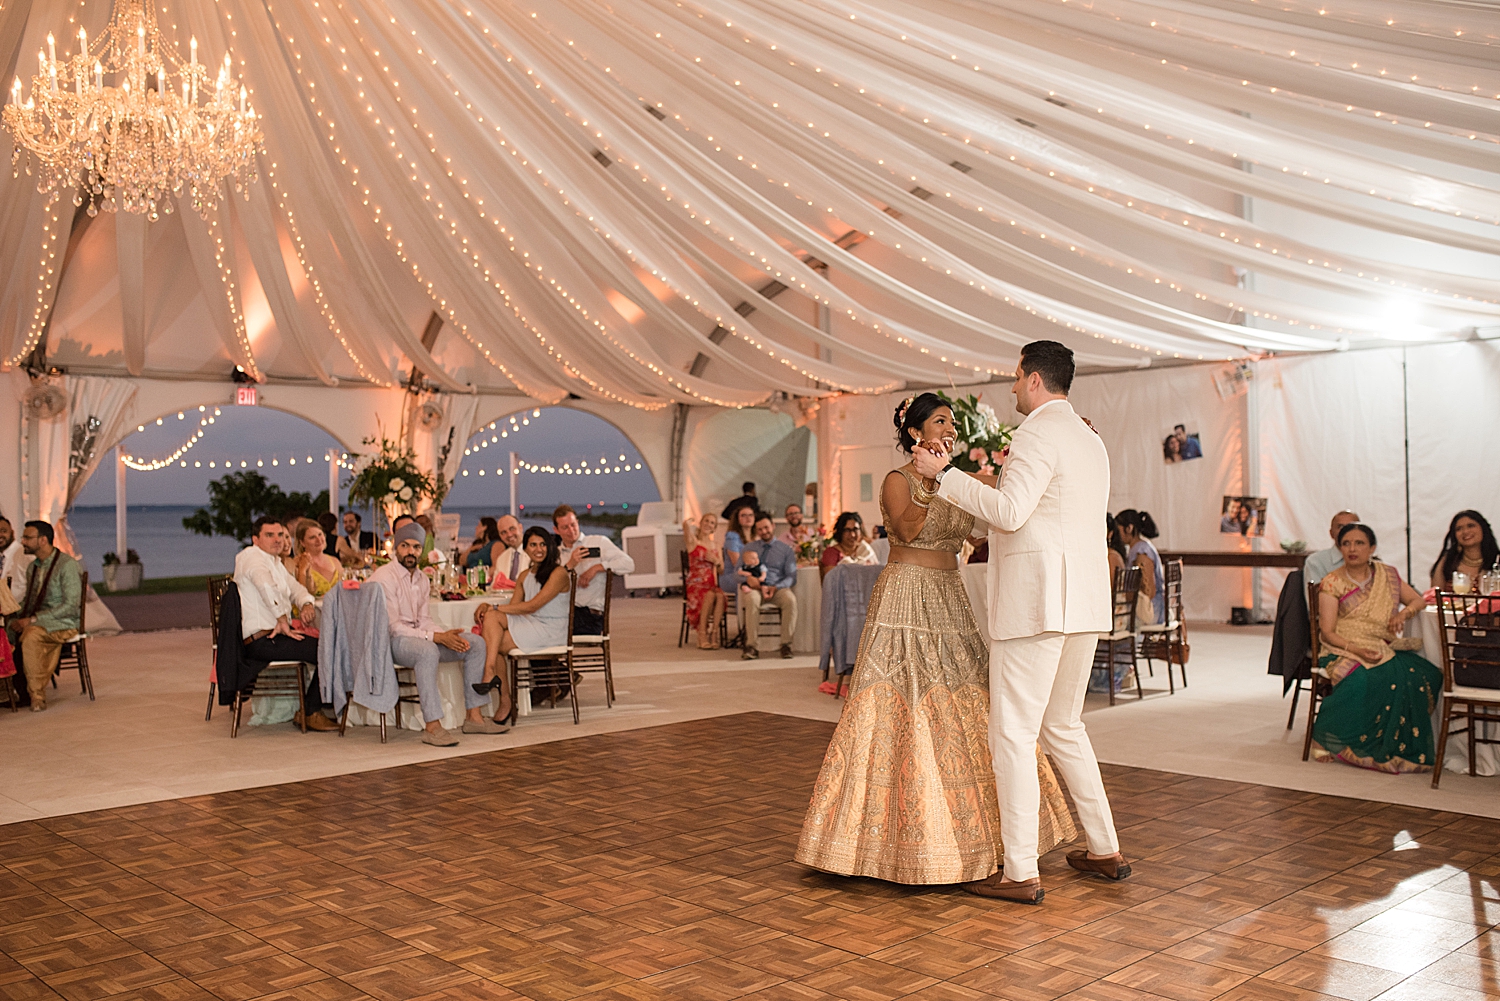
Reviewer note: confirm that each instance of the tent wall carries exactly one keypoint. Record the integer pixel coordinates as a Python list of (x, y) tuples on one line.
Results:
[(1332, 432)]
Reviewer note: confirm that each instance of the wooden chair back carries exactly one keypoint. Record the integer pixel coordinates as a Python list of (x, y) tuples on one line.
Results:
[(1470, 632), (1127, 586), (1172, 571), (1313, 626)]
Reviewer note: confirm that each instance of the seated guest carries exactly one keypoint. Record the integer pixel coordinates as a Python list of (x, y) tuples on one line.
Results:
[(417, 645), (768, 572), (745, 499), (590, 555), (740, 531), (430, 551), (49, 609), (354, 543), (288, 549), (1115, 547), (1379, 714), (848, 545), (329, 523), (512, 558), (705, 602), (797, 530), (1469, 548), (535, 618), (316, 570), (1137, 529), (1323, 562), (486, 544), (269, 595), (13, 561)]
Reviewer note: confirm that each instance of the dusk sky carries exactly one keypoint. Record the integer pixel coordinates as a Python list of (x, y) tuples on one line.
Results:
[(259, 434)]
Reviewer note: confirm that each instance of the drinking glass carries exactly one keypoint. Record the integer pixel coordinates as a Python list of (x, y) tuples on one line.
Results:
[(1461, 582)]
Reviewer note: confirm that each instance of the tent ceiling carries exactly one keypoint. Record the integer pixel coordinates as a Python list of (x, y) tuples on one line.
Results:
[(598, 198)]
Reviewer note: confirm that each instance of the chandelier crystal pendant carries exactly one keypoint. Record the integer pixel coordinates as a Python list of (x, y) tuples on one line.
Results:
[(126, 123)]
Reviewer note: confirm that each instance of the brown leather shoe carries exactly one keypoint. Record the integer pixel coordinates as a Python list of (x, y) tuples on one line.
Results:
[(1026, 891), (1115, 867), (316, 721), (786, 651)]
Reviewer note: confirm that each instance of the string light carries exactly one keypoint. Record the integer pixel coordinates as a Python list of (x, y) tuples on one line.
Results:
[(175, 456)]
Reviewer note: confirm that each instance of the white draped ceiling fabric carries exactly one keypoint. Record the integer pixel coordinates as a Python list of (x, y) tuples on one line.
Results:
[(604, 199)]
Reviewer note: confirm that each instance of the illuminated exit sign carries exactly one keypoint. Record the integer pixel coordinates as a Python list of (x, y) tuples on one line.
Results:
[(244, 396)]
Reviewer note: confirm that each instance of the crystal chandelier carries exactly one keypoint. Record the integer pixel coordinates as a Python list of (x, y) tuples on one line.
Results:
[(127, 124)]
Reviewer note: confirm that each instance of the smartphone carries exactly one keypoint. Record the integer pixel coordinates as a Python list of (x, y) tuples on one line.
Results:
[(591, 552)]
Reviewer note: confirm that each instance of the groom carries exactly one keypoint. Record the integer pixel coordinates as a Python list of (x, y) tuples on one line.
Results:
[(1049, 598)]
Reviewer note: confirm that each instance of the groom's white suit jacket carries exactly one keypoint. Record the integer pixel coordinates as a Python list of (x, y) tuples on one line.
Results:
[(1048, 567)]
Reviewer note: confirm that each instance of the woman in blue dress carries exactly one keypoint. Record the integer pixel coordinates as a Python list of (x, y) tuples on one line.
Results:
[(535, 618)]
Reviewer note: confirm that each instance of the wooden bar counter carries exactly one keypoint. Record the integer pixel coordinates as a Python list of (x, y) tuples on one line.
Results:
[(1291, 561)]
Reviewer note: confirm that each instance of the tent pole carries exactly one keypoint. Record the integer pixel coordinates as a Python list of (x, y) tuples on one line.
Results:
[(333, 481), (1406, 457), (513, 513), (120, 539)]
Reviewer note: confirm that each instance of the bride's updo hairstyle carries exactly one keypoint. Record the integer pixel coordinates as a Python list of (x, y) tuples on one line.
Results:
[(911, 414)]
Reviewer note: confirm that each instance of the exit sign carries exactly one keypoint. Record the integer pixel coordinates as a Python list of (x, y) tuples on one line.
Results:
[(245, 396)]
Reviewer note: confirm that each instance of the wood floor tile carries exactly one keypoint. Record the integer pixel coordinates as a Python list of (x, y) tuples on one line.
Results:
[(1019, 979), (1180, 979), (1335, 977), (656, 865)]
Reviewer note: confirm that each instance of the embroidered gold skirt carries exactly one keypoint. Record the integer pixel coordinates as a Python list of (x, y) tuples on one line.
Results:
[(907, 789)]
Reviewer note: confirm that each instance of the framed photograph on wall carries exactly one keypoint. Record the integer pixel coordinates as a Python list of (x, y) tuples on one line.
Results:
[(1243, 516), (1181, 446)]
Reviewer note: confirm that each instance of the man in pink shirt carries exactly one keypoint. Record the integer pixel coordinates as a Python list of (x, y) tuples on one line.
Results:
[(415, 643)]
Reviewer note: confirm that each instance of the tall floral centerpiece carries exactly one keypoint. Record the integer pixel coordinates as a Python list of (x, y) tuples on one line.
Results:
[(982, 438), (388, 480)]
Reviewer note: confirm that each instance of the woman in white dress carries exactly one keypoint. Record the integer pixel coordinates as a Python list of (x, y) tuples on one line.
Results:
[(535, 618)]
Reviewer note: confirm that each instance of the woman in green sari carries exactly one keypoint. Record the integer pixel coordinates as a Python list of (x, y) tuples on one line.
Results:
[(1379, 714)]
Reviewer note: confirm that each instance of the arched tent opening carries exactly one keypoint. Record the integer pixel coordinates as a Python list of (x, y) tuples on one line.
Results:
[(564, 455), (163, 470)]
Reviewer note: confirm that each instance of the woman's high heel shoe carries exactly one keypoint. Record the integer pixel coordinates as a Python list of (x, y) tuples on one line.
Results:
[(485, 687)]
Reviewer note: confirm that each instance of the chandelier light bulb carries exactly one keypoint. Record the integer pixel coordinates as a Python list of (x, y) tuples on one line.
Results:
[(124, 146)]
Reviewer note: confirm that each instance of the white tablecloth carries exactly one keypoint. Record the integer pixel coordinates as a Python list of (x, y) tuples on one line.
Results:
[(450, 677), (1456, 754), (974, 583), (809, 592)]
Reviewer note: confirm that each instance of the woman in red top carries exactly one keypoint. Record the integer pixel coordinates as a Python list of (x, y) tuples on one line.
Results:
[(705, 601)]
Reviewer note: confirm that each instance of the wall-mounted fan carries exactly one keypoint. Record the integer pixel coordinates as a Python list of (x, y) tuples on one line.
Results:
[(44, 401), (429, 417)]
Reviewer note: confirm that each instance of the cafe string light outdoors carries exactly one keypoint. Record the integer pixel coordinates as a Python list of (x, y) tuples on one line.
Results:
[(497, 430)]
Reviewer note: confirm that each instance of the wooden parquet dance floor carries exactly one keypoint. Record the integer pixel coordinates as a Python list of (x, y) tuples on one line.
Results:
[(655, 864)]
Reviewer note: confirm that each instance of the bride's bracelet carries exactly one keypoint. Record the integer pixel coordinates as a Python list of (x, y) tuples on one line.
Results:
[(921, 495)]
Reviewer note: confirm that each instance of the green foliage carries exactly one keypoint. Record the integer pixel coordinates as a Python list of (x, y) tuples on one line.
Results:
[(158, 585), (388, 479), (236, 500), (981, 437)]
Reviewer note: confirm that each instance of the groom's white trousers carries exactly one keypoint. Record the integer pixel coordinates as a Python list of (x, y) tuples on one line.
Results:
[(1037, 685)]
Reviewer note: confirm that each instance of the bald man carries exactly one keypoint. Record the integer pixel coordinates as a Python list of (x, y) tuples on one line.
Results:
[(512, 559), (1325, 561)]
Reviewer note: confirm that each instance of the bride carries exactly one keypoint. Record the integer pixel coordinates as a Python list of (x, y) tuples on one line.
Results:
[(907, 790)]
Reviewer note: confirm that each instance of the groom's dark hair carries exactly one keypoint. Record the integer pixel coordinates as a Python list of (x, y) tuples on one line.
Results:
[(1052, 361)]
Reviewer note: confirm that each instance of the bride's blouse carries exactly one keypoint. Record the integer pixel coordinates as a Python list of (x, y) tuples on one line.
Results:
[(945, 529)]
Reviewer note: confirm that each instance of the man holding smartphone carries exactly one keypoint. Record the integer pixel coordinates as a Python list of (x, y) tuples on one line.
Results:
[(590, 556)]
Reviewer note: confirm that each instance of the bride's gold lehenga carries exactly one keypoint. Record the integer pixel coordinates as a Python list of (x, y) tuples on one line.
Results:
[(907, 790)]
